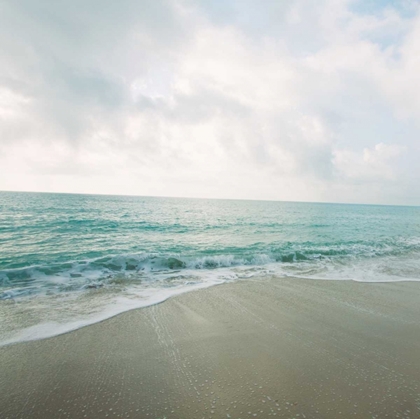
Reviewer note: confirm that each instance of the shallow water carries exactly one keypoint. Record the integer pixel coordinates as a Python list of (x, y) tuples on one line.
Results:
[(70, 260)]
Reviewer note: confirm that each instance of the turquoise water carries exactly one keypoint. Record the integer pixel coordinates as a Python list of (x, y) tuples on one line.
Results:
[(69, 260)]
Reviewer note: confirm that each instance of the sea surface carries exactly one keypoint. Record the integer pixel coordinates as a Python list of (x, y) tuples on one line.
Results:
[(67, 261)]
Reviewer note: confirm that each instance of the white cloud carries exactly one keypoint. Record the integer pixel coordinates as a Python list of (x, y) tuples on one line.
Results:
[(180, 98), (373, 164)]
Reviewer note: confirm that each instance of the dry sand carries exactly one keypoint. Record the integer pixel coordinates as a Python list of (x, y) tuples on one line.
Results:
[(287, 348)]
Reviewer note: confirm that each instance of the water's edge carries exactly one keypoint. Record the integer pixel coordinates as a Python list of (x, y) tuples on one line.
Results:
[(34, 335)]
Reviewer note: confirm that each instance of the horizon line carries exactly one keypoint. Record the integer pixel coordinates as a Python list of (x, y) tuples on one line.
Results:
[(213, 199)]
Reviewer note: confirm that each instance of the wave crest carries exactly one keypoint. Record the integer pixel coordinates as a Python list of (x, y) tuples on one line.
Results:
[(149, 267)]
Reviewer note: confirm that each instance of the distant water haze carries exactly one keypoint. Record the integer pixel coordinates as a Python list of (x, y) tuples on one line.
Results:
[(71, 260)]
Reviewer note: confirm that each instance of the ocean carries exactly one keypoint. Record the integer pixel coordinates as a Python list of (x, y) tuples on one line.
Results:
[(67, 260)]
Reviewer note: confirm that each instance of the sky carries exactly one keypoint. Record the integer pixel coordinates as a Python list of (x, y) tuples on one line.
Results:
[(298, 100)]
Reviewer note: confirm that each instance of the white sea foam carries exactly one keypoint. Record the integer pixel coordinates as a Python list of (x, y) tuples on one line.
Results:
[(113, 306), (61, 312), (65, 312)]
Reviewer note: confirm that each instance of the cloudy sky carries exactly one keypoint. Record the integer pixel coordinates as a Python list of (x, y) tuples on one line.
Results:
[(309, 100)]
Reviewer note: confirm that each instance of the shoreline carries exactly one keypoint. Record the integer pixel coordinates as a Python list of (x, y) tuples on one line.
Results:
[(31, 330), (278, 347), (99, 319)]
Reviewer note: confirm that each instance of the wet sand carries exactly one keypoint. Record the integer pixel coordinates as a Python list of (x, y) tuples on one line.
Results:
[(287, 348)]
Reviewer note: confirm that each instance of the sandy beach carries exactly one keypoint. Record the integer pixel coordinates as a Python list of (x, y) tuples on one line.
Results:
[(288, 348)]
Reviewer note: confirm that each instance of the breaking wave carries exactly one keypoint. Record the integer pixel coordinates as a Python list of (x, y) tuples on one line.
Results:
[(327, 260)]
